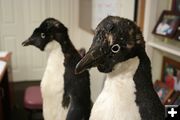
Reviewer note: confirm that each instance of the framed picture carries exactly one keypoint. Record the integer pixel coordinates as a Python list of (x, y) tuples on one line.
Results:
[(173, 98), (176, 5), (167, 24), (163, 91), (171, 73)]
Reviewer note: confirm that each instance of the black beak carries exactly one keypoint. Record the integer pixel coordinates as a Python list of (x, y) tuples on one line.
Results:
[(27, 42), (91, 59)]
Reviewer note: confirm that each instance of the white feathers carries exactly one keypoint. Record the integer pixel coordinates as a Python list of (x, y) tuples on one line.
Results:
[(53, 45), (117, 99), (52, 84)]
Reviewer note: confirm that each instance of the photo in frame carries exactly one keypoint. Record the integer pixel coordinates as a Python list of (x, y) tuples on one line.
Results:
[(167, 24), (176, 5), (163, 91), (173, 98), (171, 73)]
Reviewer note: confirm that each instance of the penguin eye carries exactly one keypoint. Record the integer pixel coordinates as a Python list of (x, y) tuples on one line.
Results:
[(43, 35), (115, 48)]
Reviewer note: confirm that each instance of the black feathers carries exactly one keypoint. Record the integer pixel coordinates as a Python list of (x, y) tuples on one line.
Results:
[(77, 87)]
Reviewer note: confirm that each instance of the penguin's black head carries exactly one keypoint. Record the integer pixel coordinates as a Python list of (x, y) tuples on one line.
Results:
[(49, 30), (116, 40)]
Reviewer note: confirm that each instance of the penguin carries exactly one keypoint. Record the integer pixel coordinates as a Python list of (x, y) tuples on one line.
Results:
[(118, 49), (61, 88)]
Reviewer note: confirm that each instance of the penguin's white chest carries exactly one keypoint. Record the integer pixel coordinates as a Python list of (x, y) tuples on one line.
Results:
[(52, 87), (53, 80), (117, 99)]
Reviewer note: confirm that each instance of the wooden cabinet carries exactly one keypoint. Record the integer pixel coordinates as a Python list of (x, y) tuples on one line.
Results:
[(3, 68), (6, 87), (1, 105)]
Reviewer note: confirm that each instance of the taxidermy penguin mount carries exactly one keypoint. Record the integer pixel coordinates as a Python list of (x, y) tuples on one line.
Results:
[(118, 49), (59, 83)]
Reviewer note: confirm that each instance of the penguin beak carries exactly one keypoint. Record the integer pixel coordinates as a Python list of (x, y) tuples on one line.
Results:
[(94, 56), (27, 42), (89, 60)]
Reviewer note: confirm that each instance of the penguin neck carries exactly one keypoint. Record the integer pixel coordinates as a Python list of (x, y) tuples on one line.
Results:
[(144, 59), (121, 80), (127, 68), (66, 44), (143, 76), (52, 47), (118, 94), (71, 55), (144, 69), (55, 54)]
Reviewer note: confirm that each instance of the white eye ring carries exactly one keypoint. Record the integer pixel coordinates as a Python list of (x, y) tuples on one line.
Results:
[(115, 48), (43, 35)]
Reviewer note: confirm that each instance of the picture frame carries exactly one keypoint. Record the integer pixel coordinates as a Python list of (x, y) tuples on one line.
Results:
[(170, 74), (173, 98), (167, 24), (175, 5), (163, 91)]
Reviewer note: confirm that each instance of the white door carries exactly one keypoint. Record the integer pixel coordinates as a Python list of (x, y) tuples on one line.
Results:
[(12, 33), (18, 18)]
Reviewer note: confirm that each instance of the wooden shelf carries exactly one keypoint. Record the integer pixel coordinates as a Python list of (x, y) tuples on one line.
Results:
[(166, 47)]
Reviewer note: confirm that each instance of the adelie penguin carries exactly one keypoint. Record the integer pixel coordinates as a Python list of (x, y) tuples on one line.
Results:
[(118, 49), (59, 83)]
